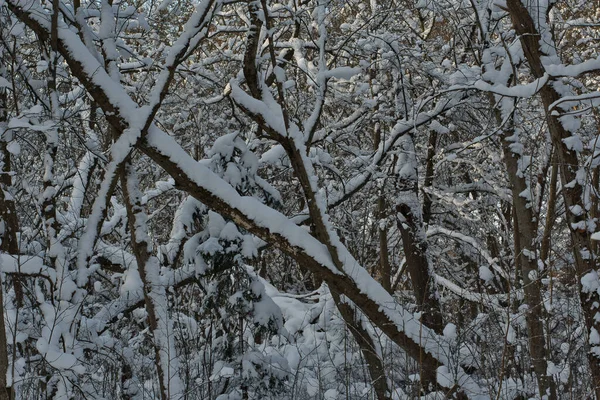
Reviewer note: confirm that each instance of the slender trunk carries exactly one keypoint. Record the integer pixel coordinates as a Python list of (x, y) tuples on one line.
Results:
[(367, 347), (384, 267), (526, 257), (8, 242), (428, 182), (526, 251), (550, 217), (148, 271), (572, 191), (410, 224)]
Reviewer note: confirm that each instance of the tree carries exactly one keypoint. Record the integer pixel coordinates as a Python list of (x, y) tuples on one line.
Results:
[(189, 190)]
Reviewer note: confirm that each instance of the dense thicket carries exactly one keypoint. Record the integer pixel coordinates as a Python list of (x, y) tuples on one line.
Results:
[(309, 199)]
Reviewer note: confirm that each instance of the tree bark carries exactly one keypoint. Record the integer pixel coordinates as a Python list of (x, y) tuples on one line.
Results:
[(9, 225), (142, 255), (571, 190), (367, 347), (410, 224), (527, 252)]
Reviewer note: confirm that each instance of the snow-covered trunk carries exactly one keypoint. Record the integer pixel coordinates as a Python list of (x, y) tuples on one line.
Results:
[(410, 223), (429, 173), (526, 249), (572, 189), (383, 269), (8, 214), (155, 297), (8, 237)]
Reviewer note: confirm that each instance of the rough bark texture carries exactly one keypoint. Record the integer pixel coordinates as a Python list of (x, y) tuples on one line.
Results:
[(8, 243), (569, 164), (527, 254)]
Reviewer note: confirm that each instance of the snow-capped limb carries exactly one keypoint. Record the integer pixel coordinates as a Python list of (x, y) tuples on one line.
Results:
[(520, 91), (271, 226), (501, 192), (438, 230), (492, 301), (344, 275), (84, 170), (402, 127), (586, 98), (540, 54), (183, 223), (560, 70), (128, 119), (378, 158), (108, 93), (98, 214)]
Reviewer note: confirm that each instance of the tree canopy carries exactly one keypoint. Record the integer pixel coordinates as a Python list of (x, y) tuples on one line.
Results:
[(308, 199)]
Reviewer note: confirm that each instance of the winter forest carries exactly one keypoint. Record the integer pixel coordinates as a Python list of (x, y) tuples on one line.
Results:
[(299, 199)]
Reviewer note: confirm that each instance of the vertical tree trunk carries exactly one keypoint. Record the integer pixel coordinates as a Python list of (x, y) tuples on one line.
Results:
[(136, 219), (9, 226), (527, 253), (385, 268), (572, 191), (410, 224), (428, 182), (367, 347), (384, 273)]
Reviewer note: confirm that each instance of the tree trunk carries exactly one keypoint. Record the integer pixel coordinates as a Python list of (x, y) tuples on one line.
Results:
[(8, 242), (142, 254), (571, 190), (367, 347), (410, 224), (527, 253)]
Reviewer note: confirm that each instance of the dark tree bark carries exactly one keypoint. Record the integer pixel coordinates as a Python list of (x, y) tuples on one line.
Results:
[(572, 192)]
